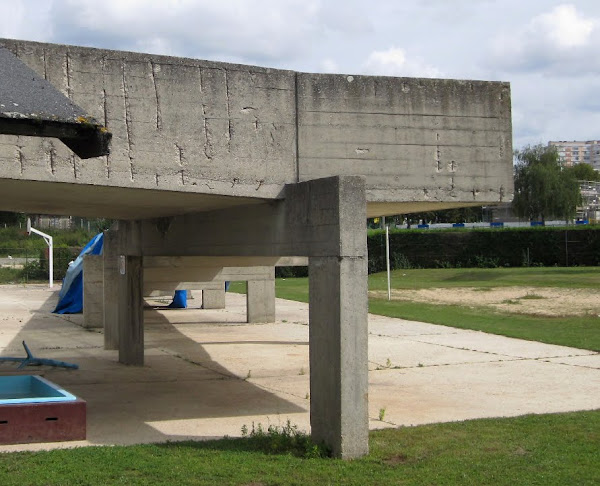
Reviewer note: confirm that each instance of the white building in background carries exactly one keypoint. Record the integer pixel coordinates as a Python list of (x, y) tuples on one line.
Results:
[(574, 152), (590, 196)]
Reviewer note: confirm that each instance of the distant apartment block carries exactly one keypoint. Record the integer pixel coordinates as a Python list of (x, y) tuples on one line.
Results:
[(590, 196), (573, 152)]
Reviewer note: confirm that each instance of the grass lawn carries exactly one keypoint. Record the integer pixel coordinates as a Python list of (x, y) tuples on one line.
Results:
[(578, 332), (560, 449)]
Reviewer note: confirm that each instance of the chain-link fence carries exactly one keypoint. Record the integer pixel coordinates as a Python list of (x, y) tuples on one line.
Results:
[(19, 265)]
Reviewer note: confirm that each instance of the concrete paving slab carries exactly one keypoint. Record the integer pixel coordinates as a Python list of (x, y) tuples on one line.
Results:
[(459, 392), (195, 382), (500, 345), (391, 352)]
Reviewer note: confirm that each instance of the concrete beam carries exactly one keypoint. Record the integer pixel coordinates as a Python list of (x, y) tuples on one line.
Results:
[(421, 144)]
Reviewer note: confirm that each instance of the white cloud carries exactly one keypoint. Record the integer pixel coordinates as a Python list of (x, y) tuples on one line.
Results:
[(271, 32), (559, 42), (25, 19), (394, 62), (563, 27)]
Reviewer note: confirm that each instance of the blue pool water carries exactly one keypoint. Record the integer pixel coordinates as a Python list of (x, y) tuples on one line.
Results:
[(31, 389)]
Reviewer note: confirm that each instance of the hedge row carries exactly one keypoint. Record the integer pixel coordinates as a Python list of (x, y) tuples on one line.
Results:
[(510, 247)]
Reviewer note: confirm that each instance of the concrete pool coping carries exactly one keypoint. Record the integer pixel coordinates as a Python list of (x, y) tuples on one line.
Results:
[(208, 373)]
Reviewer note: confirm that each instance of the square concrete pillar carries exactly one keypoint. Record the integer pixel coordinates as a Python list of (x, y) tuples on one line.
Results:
[(110, 255), (338, 354), (260, 301), (131, 310), (213, 298), (93, 291)]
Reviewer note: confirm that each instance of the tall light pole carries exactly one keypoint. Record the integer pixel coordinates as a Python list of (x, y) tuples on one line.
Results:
[(50, 243)]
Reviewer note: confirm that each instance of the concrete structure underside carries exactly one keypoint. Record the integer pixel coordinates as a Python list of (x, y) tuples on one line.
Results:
[(220, 160)]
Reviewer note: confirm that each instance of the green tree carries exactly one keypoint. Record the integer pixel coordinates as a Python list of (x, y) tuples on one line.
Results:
[(11, 218), (584, 172), (542, 187)]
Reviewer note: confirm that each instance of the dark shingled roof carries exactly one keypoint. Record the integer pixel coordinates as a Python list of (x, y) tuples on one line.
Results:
[(30, 105)]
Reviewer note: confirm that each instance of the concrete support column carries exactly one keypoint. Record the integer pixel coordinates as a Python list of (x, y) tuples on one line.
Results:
[(260, 301), (213, 298), (130, 293), (131, 310), (111, 290), (338, 306), (338, 354), (93, 291)]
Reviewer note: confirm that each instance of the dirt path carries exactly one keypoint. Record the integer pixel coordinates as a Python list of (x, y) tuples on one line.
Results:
[(520, 300)]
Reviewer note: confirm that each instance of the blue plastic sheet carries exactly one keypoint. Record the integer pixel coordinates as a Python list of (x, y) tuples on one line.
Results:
[(70, 297)]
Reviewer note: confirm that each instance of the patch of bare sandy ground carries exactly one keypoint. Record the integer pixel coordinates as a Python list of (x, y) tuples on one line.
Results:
[(538, 301)]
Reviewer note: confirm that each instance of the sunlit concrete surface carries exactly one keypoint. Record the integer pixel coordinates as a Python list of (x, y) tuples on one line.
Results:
[(208, 372)]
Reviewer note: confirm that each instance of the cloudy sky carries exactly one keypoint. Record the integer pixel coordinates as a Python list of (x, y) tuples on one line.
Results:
[(548, 50)]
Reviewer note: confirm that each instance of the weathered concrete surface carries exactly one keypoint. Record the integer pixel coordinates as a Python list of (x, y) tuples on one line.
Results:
[(93, 291), (205, 381), (131, 310), (260, 300), (213, 298), (215, 130)]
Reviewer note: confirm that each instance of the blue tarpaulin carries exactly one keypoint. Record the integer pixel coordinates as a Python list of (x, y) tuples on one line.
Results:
[(179, 300), (70, 298)]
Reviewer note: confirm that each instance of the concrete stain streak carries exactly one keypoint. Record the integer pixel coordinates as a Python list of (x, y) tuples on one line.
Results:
[(74, 164), (50, 152), (207, 136), (229, 129), (45, 64), (297, 128), (181, 163), (20, 158), (157, 96), (68, 73), (128, 122), (105, 112), (438, 153)]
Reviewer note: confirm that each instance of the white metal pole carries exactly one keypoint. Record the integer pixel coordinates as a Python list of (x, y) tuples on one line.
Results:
[(51, 261), (50, 242), (387, 260)]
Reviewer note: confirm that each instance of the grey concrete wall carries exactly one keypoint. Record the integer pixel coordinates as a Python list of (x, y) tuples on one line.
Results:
[(429, 140), (177, 124), (215, 130)]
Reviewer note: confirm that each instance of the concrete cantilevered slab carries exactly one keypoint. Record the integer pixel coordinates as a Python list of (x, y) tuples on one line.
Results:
[(215, 159)]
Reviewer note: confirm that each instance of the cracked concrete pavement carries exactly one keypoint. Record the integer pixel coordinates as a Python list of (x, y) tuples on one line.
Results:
[(208, 373)]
